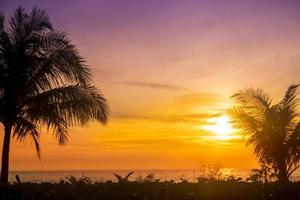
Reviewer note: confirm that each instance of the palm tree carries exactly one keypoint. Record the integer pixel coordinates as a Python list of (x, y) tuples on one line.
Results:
[(273, 130), (43, 83)]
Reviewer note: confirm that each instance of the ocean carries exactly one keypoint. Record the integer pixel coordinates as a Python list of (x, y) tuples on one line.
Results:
[(105, 175)]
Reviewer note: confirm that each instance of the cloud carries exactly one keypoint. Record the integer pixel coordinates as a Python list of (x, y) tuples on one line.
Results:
[(153, 85), (199, 98), (198, 118), (150, 143), (191, 108)]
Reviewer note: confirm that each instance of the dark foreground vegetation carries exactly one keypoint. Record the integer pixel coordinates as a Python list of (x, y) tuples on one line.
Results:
[(135, 190)]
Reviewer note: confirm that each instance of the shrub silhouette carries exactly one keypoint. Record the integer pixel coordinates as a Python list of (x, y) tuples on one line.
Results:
[(123, 179)]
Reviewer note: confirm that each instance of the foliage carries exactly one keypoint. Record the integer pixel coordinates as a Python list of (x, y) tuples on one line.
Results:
[(271, 129), (264, 175), (123, 179), (44, 82), (209, 172), (81, 180), (150, 178), (233, 178), (43, 79), (211, 190), (183, 179)]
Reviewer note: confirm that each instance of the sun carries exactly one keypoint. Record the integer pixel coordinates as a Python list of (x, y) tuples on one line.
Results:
[(221, 126)]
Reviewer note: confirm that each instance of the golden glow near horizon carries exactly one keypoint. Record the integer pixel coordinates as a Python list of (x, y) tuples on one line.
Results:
[(221, 126)]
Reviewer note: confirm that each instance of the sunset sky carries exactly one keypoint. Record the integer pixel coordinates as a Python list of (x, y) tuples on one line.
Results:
[(168, 69)]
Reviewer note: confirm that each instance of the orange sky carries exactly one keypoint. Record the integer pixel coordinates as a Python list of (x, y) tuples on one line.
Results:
[(166, 67)]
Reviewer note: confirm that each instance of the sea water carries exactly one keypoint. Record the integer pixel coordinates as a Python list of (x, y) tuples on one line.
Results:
[(106, 175)]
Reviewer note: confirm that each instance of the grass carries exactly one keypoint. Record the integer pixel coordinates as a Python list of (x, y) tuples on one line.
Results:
[(150, 189)]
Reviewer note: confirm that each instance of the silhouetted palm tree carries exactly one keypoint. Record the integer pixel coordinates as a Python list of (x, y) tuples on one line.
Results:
[(43, 82), (273, 130)]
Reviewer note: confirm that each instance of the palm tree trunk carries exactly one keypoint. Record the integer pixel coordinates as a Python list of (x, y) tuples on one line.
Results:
[(5, 154), (282, 174)]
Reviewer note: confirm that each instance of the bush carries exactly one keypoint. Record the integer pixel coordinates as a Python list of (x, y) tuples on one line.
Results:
[(84, 189)]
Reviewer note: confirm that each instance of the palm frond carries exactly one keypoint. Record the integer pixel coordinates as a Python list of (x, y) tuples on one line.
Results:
[(288, 108), (39, 21), (254, 101), (128, 175), (74, 103), (123, 179), (244, 120), (293, 144), (1, 23), (59, 63), (252, 97), (119, 177), (67, 105), (48, 117), (17, 24), (26, 27), (290, 99), (24, 129)]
